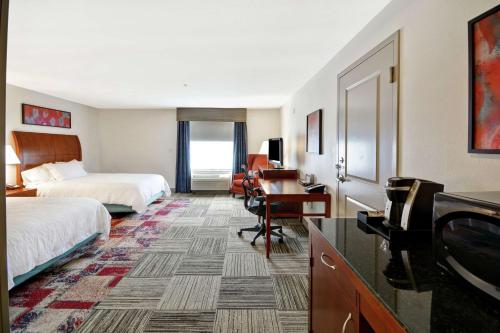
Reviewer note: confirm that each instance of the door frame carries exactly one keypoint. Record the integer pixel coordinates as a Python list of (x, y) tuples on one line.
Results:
[(393, 38), (4, 294)]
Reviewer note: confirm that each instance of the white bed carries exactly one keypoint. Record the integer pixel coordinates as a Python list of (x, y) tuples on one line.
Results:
[(41, 229), (53, 164), (130, 190)]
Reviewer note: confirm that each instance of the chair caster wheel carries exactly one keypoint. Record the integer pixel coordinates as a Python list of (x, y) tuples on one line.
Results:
[(240, 233), (252, 243), (281, 241)]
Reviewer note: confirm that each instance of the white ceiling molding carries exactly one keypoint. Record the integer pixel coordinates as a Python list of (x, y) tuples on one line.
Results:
[(166, 53)]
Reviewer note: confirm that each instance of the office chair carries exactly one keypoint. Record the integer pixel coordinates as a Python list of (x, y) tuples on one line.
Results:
[(255, 203)]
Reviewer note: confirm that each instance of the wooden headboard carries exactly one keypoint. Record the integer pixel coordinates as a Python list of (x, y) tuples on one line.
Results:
[(34, 149)]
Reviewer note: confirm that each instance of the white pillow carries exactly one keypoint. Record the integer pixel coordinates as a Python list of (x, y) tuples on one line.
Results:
[(37, 175), (66, 170), (73, 161)]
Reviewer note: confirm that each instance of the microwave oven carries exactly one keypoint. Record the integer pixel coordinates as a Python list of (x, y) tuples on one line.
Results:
[(466, 238)]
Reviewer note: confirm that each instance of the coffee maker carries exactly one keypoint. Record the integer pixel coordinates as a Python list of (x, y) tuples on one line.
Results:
[(409, 203)]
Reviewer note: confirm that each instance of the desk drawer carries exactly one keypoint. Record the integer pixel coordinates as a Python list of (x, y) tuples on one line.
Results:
[(324, 254)]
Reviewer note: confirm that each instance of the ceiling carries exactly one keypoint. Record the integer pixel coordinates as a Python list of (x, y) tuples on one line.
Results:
[(165, 53)]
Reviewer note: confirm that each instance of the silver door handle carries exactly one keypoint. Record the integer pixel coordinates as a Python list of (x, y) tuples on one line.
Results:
[(349, 317), (341, 179), (325, 263)]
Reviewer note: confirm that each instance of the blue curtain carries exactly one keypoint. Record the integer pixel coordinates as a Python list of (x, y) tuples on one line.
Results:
[(183, 167), (239, 146)]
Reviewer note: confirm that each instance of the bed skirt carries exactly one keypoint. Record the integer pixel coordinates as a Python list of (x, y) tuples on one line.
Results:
[(114, 208), (40, 268)]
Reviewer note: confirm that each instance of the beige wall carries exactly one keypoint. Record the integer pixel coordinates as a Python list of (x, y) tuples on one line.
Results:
[(129, 140), (139, 141), (262, 124), (84, 120), (144, 141), (433, 97)]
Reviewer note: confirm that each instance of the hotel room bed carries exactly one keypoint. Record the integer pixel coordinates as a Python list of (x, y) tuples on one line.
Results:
[(119, 192), (41, 231)]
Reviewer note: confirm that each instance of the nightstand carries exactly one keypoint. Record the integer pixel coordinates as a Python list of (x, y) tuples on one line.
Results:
[(21, 192)]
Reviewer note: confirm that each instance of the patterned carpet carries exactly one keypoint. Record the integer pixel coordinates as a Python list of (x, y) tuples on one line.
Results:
[(178, 267)]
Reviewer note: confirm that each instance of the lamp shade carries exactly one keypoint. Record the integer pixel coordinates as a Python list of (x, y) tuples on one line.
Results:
[(264, 148), (10, 156)]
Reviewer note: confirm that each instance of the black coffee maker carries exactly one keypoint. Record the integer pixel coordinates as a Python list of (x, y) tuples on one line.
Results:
[(409, 203)]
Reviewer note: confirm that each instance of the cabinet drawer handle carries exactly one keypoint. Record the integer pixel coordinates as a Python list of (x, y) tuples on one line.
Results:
[(324, 262), (349, 317)]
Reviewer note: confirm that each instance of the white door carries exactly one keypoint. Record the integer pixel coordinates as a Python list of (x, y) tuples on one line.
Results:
[(367, 129)]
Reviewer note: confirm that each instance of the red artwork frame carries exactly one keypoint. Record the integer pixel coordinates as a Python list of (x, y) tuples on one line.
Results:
[(41, 116), (314, 130), (484, 83)]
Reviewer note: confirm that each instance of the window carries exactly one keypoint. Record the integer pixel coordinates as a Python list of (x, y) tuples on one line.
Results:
[(211, 155), (211, 146)]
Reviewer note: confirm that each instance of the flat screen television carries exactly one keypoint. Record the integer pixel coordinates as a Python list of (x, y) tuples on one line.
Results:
[(275, 153)]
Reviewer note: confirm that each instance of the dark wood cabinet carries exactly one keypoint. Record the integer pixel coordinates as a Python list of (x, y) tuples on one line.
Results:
[(332, 297), (340, 302)]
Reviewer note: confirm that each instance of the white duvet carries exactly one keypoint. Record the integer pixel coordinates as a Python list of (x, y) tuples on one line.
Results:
[(132, 190), (40, 229)]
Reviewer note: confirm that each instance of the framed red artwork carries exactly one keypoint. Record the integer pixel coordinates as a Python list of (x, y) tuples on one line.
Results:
[(37, 115), (314, 132), (484, 83)]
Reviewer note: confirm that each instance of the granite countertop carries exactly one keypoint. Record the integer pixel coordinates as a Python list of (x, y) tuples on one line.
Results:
[(406, 279)]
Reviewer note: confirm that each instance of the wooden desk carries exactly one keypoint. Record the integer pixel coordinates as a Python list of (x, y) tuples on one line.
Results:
[(271, 173), (288, 190)]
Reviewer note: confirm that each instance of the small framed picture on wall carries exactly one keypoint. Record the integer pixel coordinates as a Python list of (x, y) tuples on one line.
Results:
[(484, 83), (315, 132), (37, 115)]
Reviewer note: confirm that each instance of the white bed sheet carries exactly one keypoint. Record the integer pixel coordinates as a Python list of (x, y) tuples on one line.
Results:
[(40, 229), (109, 188)]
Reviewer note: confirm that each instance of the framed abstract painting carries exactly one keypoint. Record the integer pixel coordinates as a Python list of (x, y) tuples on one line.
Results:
[(314, 132), (484, 83), (37, 115)]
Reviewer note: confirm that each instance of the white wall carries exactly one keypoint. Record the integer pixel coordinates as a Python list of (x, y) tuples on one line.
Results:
[(262, 124), (433, 97), (145, 140), (139, 141), (84, 122), (130, 140)]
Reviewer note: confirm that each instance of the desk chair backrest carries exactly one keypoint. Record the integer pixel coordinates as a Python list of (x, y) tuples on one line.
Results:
[(247, 191)]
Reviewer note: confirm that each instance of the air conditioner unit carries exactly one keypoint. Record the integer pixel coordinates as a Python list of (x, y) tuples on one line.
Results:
[(210, 180)]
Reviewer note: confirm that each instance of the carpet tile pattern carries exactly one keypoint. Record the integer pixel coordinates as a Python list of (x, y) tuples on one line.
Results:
[(181, 322), (191, 292), (245, 264), (201, 265), (178, 267), (291, 292), (247, 321), (155, 265), (127, 321), (247, 293)]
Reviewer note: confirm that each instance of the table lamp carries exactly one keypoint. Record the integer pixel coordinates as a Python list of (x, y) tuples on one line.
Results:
[(10, 159), (264, 147)]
